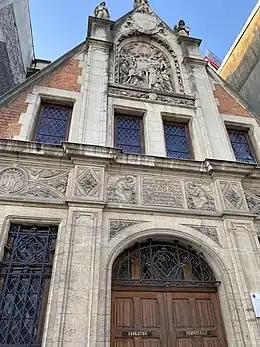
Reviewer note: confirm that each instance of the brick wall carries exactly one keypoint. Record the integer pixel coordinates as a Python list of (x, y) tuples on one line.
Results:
[(65, 77), (228, 104)]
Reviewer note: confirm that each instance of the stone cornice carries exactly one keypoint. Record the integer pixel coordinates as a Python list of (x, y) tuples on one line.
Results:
[(189, 40), (69, 153)]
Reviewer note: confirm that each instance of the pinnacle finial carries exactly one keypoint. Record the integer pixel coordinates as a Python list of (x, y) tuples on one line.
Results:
[(138, 3)]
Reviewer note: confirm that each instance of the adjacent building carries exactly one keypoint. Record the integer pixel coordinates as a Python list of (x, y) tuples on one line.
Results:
[(241, 66), (16, 43), (129, 196)]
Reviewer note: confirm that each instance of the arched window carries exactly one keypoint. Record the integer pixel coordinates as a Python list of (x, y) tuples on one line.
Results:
[(164, 264)]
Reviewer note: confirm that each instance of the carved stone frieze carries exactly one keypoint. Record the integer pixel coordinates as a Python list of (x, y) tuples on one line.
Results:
[(121, 189), (162, 192), (199, 196), (115, 226), (142, 64), (151, 97), (232, 195), (88, 182), (253, 199), (34, 182), (209, 231)]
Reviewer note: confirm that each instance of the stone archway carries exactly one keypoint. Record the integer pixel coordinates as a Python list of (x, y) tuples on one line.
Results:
[(164, 294)]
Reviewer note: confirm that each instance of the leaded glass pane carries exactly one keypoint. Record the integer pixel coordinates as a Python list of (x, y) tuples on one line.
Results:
[(241, 147), (24, 275), (53, 125), (176, 139), (128, 135)]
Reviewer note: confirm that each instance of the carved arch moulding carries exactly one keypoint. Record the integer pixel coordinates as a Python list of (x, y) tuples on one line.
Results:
[(147, 63)]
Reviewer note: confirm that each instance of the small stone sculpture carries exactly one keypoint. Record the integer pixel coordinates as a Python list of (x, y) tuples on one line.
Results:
[(138, 3), (182, 28), (101, 11)]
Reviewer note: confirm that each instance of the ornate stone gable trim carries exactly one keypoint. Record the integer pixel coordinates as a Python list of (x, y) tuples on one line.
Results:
[(232, 194), (117, 225), (33, 182), (209, 231), (148, 96), (119, 60), (253, 199)]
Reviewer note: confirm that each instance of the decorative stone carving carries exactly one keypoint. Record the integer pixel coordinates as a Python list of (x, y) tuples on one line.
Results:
[(36, 182), (232, 194), (125, 70), (88, 182), (150, 97), (182, 29), (115, 226), (138, 3), (162, 192), (209, 231), (143, 65), (122, 189), (101, 11), (253, 199), (199, 196), (12, 180)]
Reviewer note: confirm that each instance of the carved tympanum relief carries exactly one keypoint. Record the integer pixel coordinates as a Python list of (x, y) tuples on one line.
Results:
[(33, 182), (121, 189), (199, 196), (143, 65)]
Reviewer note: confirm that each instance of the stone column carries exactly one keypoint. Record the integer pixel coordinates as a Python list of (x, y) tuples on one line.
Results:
[(211, 124), (246, 277), (94, 89)]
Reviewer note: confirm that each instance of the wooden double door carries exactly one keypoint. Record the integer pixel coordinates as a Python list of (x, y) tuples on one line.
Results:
[(166, 319)]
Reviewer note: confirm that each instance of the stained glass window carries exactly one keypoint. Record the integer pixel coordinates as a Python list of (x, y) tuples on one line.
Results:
[(129, 134), (177, 141), (241, 147), (25, 273), (53, 124)]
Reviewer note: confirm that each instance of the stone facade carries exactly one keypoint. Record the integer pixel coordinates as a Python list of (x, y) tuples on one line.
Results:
[(16, 46), (104, 200)]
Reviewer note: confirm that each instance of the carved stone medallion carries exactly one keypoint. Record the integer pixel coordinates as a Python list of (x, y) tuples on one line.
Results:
[(143, 65), (12, 180)]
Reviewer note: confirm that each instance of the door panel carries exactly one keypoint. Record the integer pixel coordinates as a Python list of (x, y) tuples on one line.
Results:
[(166, 319)]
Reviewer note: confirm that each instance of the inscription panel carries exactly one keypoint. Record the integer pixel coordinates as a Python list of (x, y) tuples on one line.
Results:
[(162, 192)]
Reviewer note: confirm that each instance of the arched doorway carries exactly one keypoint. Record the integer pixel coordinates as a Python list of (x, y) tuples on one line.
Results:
[(164, 294)]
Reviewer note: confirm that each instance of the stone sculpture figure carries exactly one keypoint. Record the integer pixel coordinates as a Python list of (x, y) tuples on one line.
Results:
[(182, 28), (138, 3), (101, 11)]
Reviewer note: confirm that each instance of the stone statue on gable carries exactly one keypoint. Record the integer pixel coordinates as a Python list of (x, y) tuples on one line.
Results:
[(138, 3), (101, 11), (182, 29)]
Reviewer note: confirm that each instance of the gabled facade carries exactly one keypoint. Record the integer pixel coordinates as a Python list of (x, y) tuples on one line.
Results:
[(129, 196)]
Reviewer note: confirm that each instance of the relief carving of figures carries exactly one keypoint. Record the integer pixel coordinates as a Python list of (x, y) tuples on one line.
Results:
[(122, 189), (199, 196), (101, 11), (144, 66)]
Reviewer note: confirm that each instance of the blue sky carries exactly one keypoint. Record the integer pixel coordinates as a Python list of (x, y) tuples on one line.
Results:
[(59, 25)]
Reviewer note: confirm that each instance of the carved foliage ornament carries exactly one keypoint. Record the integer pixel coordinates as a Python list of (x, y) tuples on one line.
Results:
[(88, 182), (43, 183), (253, 199), (209, 231), (232, 194), (116, 226), (143, 65)]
